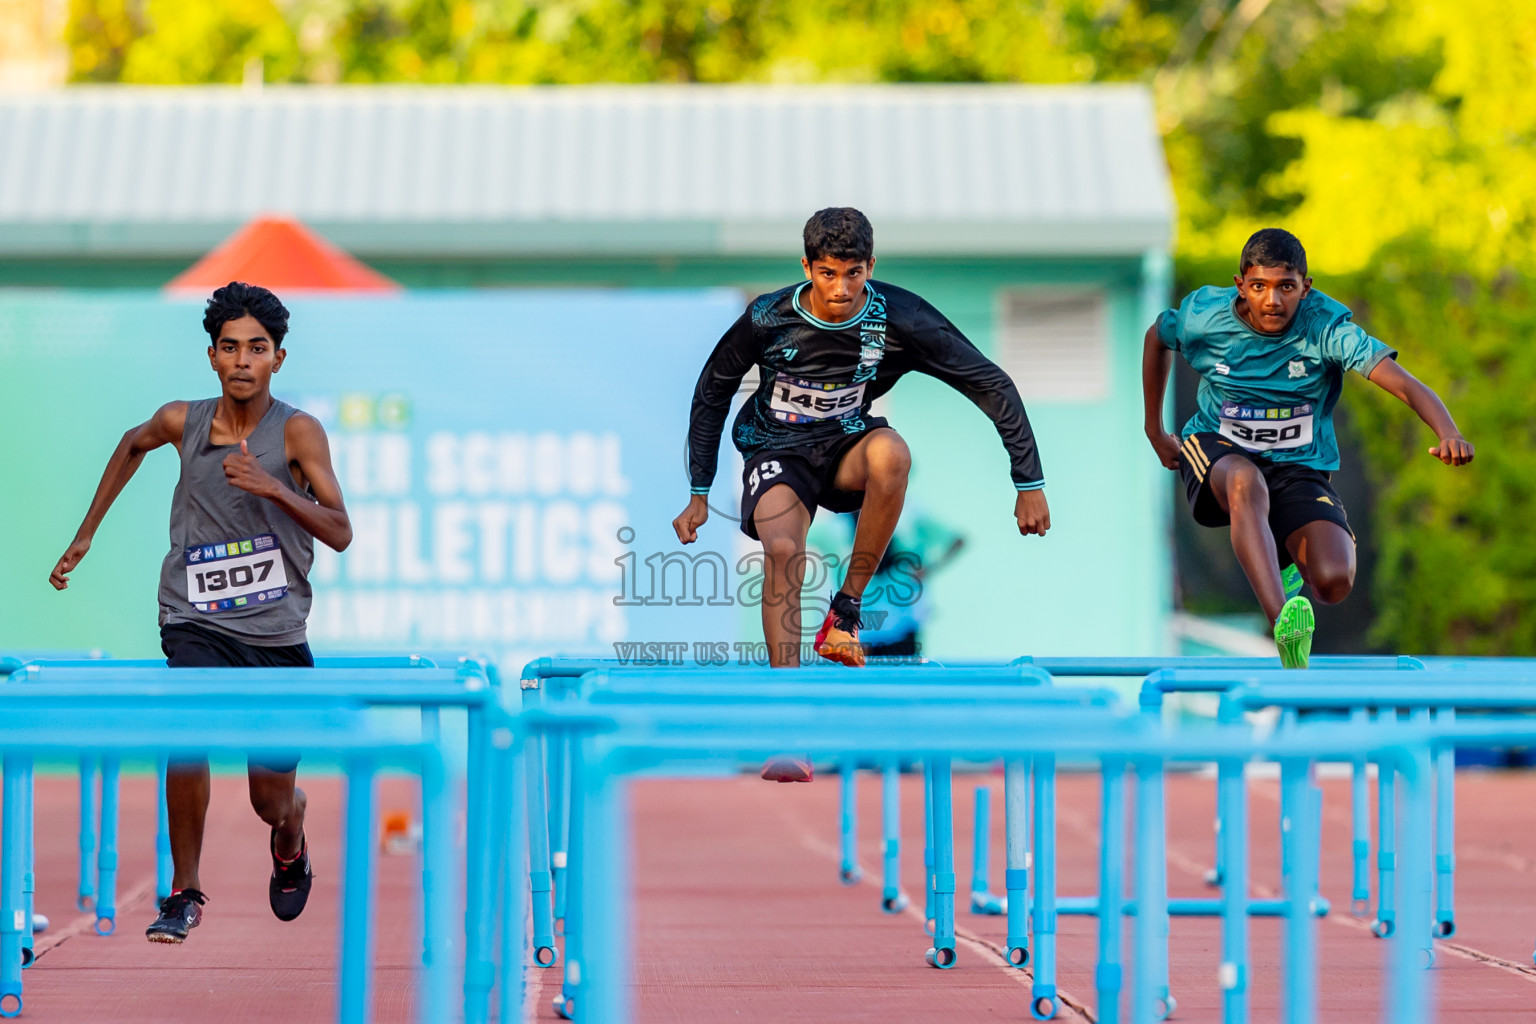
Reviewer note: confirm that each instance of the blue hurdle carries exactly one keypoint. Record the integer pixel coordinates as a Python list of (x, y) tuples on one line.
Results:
[(617, 739), (558, 676), (86, 897), (996, 684), (1151, 699), (113, 722), (469, 686), (1434, 697)]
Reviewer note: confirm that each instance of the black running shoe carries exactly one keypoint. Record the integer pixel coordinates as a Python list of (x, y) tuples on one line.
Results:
[(180, 912), (289, 888)]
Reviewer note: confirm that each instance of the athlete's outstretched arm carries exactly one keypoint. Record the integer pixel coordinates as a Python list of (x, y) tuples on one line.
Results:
[(1453, 449), (942, 352), (164, 427), (1156, 362), (736, 353), (304, 440)]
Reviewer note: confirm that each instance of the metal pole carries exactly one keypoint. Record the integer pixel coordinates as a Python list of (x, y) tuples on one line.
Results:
[(1109, 976), (1232, 792), (849, 872), (942, 955), (1016, 867), (106, 859), (354, 991), (1043, 992), (892, 899), (85, 897)]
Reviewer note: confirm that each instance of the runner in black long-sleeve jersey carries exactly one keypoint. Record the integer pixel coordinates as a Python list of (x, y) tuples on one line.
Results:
[(826, 349)]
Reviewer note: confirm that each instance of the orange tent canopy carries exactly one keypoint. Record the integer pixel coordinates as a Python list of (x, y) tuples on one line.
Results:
[(282, 255)]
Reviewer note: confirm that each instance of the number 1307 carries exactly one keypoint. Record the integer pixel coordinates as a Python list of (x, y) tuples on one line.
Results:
[(237, 576)]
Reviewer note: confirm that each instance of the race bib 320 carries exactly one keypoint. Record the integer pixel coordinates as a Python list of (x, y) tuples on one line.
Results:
[(1263, 429), (235, 574), (804, 401)]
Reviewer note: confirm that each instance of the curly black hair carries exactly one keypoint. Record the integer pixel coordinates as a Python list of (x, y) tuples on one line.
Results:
[(238, 299), (840, 232), (1273, 247)]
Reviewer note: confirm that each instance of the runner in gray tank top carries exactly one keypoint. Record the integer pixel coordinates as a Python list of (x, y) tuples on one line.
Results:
[(256, 490)]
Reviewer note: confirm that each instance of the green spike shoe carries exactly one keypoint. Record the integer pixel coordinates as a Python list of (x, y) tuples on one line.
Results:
[(1293, 633), (1291, 581)]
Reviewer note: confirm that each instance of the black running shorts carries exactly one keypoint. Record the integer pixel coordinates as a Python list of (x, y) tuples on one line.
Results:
[(1298, 495), (189, 646), (809, 471)]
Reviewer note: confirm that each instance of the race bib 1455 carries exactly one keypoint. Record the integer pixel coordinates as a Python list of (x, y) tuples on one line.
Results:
[(803, 401), (235, 574)]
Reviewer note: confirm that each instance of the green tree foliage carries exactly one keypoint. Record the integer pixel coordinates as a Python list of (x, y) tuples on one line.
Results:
[(163, 42), (1397, 139)]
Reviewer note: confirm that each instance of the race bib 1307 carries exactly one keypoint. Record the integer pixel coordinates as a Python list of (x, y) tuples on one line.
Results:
[(235, 574), (803, 401), (1263, 429)]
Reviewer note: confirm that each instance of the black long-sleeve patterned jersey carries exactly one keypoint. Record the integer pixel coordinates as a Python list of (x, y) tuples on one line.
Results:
[(819, 378)]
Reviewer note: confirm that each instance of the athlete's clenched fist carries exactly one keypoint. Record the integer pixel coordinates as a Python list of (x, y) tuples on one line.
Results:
[(688, 522)]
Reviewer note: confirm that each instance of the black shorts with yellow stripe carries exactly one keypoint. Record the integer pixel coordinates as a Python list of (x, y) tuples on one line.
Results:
[(1298, 495)]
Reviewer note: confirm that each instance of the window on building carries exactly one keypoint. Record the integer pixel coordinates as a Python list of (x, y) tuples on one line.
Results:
[(1054, 342)]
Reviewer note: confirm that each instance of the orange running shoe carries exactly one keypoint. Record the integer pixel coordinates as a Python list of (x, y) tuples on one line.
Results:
[(838, 638), (788, 768)]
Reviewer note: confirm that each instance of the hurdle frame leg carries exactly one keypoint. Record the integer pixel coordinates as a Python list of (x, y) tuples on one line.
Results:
[(558, 748), (1386, 851), (1109, 975), (572, 979), (892, 899), (849, 871), (1233, 974), (1299, 839), (439, 983), (1043, 997), (1149, 933), (29, 869), (514, 935), (85, 892), (1360, 824), (942, 954), (354, 989), (165, 869), (479, 882), (983, 900), (12, 862), (929, 923), (431, 733), (600, 900), (1157, 809), (1412, 991), (1445, 832), (540, 872), (106, 857), (1016, 854)]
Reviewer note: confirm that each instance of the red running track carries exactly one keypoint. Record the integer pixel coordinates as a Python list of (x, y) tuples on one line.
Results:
[(740, 915)]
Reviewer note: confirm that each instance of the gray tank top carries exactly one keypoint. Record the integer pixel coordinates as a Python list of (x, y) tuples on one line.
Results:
[(238, 563)]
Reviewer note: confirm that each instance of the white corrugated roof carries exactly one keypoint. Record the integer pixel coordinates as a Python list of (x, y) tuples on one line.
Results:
[(687, 169)]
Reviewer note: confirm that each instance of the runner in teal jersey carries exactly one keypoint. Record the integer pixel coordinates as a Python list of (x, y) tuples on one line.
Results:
[(1271, 353)]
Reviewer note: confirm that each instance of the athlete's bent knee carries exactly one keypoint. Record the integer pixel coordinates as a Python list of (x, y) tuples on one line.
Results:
[(889, 460), (1332, 584), (781, 549)]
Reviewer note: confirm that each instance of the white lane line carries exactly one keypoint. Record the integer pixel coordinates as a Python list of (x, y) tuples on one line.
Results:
[(1459, 948), (982, 947), (87, 922)]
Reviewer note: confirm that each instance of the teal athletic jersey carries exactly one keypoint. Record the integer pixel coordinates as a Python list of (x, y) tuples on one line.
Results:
[(1271, 394)]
